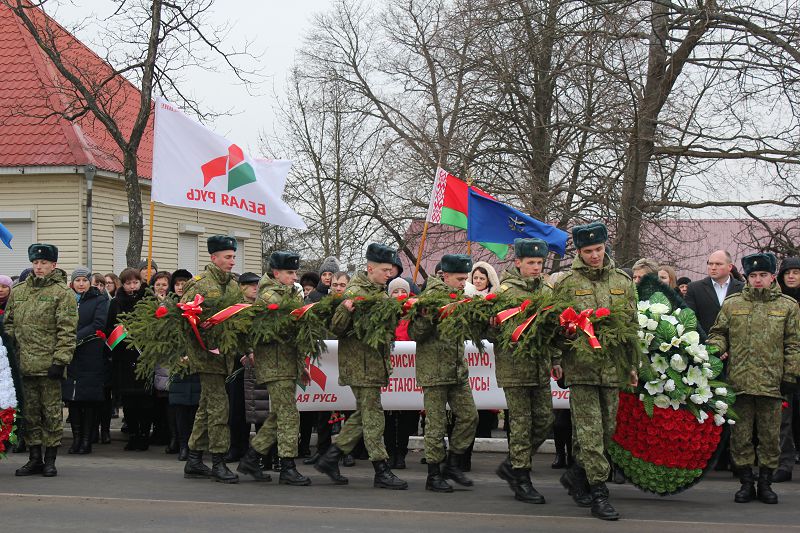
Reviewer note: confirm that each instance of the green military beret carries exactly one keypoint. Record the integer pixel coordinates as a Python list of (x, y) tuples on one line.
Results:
[(380, 253), (589, 234), (765, 262), (530, 248), (218, 243), (456, 264), (48, 252), (284, 260)]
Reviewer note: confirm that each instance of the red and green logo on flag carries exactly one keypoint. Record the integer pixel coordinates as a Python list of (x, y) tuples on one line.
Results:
[(448, 205), (117, 336)]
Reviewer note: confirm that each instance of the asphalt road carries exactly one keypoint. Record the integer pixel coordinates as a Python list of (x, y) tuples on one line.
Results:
[(114, 490)]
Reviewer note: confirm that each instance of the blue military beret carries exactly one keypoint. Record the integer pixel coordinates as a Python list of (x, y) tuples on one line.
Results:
[(218, 243), (530, 248), (589, 234), (380, 253), (764, 262), (48, 252), (456, 264), (284, 260)]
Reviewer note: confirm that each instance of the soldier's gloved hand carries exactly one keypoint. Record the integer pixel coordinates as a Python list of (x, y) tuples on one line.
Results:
[(55, 372)]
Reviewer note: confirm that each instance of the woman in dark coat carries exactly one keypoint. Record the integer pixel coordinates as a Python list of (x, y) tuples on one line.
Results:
[(136, 394), (83, 387)]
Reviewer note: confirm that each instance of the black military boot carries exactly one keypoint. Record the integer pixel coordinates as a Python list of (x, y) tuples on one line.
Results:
[(49, 468), (435, 481), (505, 472), (601, 508), (523, 488), (385, 479), (313, 459), (328, 464), (194, 467), (75, 426), (747, 492), (765, 492), (452, 470), (290, 475), (183, 453), (220, 471), (87, 421), (574, 480), (250, 464), (34, 465)]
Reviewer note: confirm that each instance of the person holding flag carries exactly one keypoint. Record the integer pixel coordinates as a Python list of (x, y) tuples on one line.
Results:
[(280, 366), (525, 382), (210, 431)]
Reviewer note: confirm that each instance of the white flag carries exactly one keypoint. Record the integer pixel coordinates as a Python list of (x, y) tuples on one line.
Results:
[(194, 167)]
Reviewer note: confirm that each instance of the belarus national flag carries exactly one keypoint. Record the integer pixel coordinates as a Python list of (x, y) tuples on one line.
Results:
[(449, 205)]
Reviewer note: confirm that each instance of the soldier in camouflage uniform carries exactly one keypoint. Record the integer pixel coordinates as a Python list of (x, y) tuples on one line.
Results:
[(443, 375), (280, 366), (594, 282), (41, 316), (210, 431), (759, 329), (526, 383), (365, 371)]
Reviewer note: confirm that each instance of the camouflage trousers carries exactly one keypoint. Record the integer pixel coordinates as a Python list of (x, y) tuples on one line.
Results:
[(594, 420), (765, 414), (367, 421), (463, 408), (282, 424), (210, 430), (530, 412), (43, 411)]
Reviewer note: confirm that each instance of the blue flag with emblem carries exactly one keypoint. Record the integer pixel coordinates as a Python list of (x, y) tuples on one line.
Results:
[(5, 236), (493, 221)]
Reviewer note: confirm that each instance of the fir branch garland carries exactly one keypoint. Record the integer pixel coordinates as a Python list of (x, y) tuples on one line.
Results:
[(271, 322), (161, 339), (541, 335), (470, 321), (375, 319), (314, 326)]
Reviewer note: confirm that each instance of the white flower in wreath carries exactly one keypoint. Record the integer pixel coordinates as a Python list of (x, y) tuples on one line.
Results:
[(719, 419), (677, 363), (691, 337), (693, 375), (654, 387), (642, 320), (640, 333), (659, 309), (665, 347), (707, 372), (671, 319), (652, 325), (643, 306), (659, 363), (648, 338), (669, 386), (676, 341), (702, 417), (662, 401), (721, 407), (701, 395), (675, 404), (721, 391), (680, 329), (731, 421)]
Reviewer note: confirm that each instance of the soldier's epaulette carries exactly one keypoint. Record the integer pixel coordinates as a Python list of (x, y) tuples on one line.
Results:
[(789, 298), (620, 271), (547, 284), (728, 297), (502, 288)]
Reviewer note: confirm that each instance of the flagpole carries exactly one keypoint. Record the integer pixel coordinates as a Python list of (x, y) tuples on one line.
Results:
[(425, 229), (150, 240)]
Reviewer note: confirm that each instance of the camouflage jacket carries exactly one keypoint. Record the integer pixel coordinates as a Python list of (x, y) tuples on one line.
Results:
[(592, 288), (211, 283), (760, 330), (359, 365), (514, 371), (439, 362), (277, 360), (42, 317)]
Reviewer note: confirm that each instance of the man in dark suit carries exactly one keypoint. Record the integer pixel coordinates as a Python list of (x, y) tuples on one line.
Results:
[(705, 297)]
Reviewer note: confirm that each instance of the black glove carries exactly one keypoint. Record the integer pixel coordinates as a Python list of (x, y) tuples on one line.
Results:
[(55, 372)]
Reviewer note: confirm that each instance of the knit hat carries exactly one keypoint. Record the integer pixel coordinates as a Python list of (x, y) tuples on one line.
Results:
[(330, 264), (398, 283), (5, 280), (80, 272), (143, 265)]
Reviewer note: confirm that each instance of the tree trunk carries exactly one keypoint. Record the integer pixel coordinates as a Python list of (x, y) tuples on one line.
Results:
[(133, 253)]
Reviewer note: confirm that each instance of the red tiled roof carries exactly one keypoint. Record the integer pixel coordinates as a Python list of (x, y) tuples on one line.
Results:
[(33, 96)]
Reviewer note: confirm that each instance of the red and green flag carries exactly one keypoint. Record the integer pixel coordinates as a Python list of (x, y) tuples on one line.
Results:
[(117, 336), (448, 205)]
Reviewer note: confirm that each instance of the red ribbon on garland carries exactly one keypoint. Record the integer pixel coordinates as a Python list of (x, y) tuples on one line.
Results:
[(191, 311), (300, 311), (445, 310), (222, 316), (408, 304), (522, 327), (502, 316), (572, 321)]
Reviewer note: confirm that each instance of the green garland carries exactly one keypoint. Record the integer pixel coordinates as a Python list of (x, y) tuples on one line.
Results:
[(469, 321), (229, 337), (160, 341), (269, 322), (314, 326), (375, 320), (541, 335)]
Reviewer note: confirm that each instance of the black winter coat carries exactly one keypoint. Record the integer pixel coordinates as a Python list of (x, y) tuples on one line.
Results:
[(185, 390), (86, 373), (123, 357), (256, 398)]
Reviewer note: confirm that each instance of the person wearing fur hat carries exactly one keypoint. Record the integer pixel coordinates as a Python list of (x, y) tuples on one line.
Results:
[(443, 375), (759, 329), (789, 281), (595, 281), (42, 317)]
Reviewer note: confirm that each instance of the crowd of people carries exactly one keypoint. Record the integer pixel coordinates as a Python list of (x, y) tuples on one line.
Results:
[(63, 328)]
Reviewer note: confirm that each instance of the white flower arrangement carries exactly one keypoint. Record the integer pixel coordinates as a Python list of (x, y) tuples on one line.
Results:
[(8, 395)]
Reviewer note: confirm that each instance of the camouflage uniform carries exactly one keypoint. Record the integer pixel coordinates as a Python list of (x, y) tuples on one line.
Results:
[(41, 316), (594, 395), (760, 330), (210, 431), (525, 382), (443, 375), (279, 365), (365, 371)]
